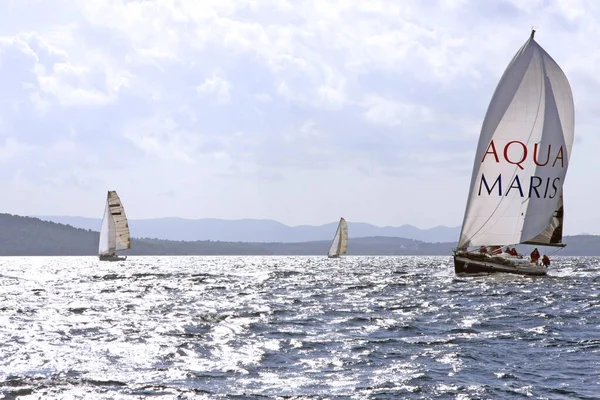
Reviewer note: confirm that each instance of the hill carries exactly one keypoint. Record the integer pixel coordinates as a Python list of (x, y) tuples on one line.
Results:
[(257, 230), (21, 236), (32, 236)]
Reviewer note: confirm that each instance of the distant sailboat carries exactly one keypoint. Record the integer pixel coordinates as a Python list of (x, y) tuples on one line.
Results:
[(516, 192), (114, 234), (340, 240)]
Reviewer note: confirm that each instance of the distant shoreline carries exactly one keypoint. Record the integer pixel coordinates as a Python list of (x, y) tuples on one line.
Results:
[(29, 236)]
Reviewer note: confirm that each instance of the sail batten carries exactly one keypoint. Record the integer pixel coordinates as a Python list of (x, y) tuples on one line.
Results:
[(522, 155), (114, 233)]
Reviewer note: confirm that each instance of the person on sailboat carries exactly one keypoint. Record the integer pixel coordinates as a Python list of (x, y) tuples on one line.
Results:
[(545, 261), (483, 250), (496, 250), (535, 255)]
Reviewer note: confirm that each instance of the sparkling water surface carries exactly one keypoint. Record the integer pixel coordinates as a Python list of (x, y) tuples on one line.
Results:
[(295, 327)]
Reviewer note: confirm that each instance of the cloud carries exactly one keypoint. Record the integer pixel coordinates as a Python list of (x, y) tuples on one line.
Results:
[(12, 149), (392, 113), (275, 101), (163, 138), (218, 87)]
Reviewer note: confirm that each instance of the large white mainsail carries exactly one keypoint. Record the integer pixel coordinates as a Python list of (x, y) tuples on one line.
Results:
[(340, 240), (114, 233), (522, 156)]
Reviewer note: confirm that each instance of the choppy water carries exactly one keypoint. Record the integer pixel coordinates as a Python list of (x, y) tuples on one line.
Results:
[(295, 327)]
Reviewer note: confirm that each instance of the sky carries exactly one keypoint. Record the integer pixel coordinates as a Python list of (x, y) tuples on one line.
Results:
[(297, 111)]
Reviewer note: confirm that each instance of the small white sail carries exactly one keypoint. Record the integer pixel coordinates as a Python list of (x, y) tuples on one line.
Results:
[(522, 155), (340, 240), (114, 234)]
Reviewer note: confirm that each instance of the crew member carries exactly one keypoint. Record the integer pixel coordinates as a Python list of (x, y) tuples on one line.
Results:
[(535, 255), (545, 260)]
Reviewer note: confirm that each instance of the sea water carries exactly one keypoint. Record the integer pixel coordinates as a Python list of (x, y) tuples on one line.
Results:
[(295, 327)]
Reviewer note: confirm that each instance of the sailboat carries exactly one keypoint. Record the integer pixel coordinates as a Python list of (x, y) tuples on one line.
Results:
[(516, 192), (340, 240), (114, 234)]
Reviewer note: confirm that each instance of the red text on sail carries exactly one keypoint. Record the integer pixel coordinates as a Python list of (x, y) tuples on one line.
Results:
[(517, 153)]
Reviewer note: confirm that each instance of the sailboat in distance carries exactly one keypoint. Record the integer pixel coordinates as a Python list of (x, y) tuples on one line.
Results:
[(516, 192), (340, 240), (114, 234)]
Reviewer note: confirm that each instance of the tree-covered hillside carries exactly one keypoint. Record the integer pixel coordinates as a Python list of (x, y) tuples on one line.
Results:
[(31, 236), (21, 236)]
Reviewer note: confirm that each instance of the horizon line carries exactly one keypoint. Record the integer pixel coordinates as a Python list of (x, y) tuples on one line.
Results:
[(244, 219), (271, 220)]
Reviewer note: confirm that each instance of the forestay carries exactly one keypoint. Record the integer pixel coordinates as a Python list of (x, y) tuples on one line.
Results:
[(522, 155)]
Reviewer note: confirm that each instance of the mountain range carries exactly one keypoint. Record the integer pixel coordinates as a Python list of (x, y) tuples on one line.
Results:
[(26, 236), (257, 230)]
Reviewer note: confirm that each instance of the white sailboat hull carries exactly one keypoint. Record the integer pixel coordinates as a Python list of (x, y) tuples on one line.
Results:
[(471, 266), (112, 258)]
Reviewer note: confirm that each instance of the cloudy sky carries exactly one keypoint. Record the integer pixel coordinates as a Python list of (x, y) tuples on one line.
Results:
[(298, 111)]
